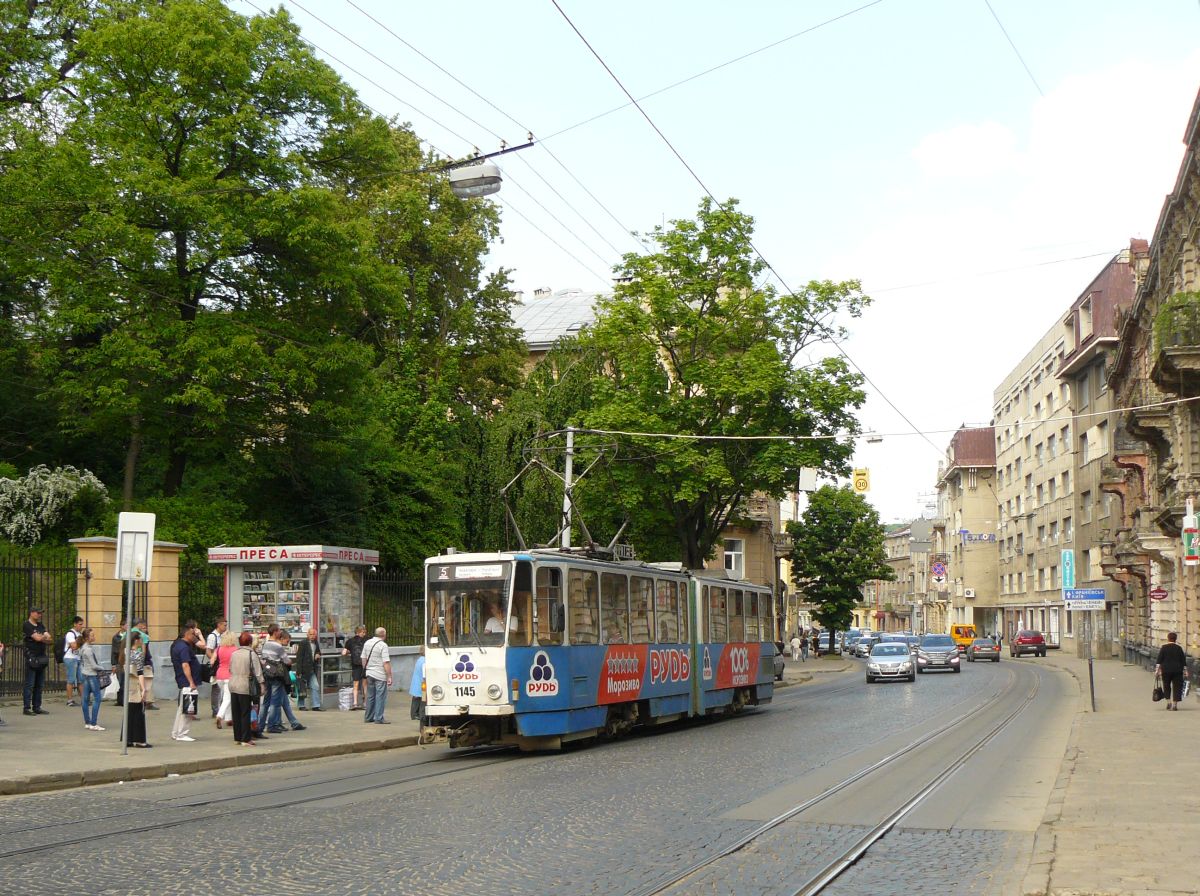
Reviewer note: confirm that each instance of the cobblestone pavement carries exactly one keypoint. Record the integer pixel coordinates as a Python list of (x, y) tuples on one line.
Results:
[(606, 818)]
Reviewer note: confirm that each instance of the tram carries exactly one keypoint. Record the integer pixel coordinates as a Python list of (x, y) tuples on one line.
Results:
[(541, 647)]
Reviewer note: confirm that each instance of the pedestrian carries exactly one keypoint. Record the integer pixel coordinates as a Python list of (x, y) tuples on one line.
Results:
[(308, 670), (804, 647), (416, 688), (90, 669), (1172, 666), (353, 649), (277, 667), (148, 665), (377, 665), (71, 660), (225, 649), (245, 667), (187, 676), (36, 661), (135, 690), (212, 644), (795, 645), (118, 669), (3, 724)]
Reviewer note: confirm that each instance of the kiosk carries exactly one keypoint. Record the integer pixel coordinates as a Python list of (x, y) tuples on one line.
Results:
[(298, 587)]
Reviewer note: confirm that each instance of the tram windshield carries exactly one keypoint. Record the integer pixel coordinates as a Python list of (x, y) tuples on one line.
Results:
[(467, 604)]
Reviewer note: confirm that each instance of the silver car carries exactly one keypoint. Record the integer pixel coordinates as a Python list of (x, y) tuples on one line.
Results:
[(890, 660)]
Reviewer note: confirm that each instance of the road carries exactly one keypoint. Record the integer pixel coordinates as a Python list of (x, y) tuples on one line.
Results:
[(620, 817)]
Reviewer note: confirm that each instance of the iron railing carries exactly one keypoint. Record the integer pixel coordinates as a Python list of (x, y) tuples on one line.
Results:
[(396, 601)]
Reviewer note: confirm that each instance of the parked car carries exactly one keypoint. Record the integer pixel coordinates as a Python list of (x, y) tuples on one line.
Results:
[(937, 652), (890, 660), (778, 661), (823, 644), (983, 649), (1027, 641)]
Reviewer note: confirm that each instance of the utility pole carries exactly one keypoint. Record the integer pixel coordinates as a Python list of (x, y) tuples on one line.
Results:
[(568, 472)]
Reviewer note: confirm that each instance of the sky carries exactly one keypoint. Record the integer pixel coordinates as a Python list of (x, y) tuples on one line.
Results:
[(974, 163)]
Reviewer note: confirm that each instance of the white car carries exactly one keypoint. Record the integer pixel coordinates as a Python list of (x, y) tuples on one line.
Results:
[(891, 660)]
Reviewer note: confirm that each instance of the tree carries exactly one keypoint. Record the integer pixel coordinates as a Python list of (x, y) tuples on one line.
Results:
[(837, 547), (45, 501), (693, 342)]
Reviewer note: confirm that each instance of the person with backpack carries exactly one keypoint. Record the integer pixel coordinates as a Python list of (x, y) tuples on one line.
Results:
[(66, 654), (211, 645), (277, 668)]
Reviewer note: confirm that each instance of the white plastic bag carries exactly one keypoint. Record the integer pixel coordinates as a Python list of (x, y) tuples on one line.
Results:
[(110, 692), (346, 699)]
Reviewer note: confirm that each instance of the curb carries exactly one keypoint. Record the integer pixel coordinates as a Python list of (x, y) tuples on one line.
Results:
[(112, 775), (1041, 862)]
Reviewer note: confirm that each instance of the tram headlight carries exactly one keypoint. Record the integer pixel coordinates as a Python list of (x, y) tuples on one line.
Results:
[(494, 691), (437, 692)]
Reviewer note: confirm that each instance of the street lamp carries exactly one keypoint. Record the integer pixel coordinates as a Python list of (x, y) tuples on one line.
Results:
[(476, 176)]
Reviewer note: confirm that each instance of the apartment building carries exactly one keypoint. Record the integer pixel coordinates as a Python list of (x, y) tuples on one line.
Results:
[(1090, 332), (964, 581), (1034, 438), (900, 605)]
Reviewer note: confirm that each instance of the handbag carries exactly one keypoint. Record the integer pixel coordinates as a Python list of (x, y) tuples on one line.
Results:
[(38, 662), (1158, 693), (254, 689), (189, 701), (104, 679)]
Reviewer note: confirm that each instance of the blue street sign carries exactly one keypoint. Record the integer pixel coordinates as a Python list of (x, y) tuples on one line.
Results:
[(1084, 598)]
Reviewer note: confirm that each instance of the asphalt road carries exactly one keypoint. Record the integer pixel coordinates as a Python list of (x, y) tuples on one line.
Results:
[(606, 818)]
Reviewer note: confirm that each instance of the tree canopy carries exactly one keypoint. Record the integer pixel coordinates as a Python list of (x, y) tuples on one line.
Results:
[(693, 342), (837, 547)]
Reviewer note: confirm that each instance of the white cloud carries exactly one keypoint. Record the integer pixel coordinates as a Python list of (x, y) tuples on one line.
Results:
[(968, 150)]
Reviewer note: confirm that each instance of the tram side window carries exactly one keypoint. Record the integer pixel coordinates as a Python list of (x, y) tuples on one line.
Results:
[(583, 601), (685, 613), (614, 607), (752, 630), (766, 605), (667, 613), (549, 606), (737, 615), (641, 609), (718, 629), (520, 621)]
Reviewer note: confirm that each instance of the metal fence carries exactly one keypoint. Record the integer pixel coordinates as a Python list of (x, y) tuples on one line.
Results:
[(201, 591), (394, 600), (57, 585)]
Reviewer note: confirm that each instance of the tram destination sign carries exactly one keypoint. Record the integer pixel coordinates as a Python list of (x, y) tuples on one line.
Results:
[(1084, 598)]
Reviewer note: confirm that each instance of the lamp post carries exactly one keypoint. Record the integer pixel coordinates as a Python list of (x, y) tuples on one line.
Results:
[(476, 176)]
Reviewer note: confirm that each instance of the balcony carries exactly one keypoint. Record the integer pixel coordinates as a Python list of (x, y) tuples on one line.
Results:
[(1177, 345), (1150, 420)]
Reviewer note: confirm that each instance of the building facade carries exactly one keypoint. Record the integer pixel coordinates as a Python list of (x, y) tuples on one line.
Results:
[(964, 582)]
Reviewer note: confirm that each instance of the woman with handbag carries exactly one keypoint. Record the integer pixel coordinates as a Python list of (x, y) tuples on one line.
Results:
[(226, 645), (135, 690), (92, 670), (1171, 665), (245, 687)]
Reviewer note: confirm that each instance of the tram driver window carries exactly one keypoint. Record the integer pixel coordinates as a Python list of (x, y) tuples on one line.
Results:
[(614, 607), (584, 607), (549, 606), (520, 621)]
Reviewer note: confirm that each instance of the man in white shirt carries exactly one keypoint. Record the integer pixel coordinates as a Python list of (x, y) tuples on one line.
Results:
[(211, 644), (71, 660), (377, 664)]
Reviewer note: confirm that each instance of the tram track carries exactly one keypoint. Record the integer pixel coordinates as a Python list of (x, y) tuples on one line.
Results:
[(832, 870), (299, 794)]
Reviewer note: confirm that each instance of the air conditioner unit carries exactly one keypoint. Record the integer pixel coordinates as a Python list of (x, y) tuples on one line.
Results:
[(968, 592)]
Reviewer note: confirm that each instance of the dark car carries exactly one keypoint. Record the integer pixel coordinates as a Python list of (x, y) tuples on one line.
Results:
[(890, 660), (937, 652), (983, 649), (1027, 641)]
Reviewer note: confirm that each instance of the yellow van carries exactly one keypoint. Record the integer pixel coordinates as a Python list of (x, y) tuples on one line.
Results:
[(963, 635)]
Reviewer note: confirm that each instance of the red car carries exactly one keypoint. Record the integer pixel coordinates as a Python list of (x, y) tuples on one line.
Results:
[(1027, 641)]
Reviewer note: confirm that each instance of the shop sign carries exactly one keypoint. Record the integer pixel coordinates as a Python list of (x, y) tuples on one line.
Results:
[(280, 553)]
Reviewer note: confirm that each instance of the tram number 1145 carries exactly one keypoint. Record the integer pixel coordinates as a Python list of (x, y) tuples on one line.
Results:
[(464, 690)]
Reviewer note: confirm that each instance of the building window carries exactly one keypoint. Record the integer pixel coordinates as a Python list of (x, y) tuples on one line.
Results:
[(1085, 319), (1052, 486), (1068, 530), (1053, 576), (1041, 579), (1051, 447), (1054, 531), (1041, 535), (1066, 482), (1083, 449), (1085, 392), (1085, 507), (735, 557), (1102, 438), (1040, 453), (1065, 393), (1040, 496)]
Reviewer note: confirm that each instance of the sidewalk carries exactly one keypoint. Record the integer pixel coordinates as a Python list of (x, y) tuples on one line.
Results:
[(1122, 818), (55, 751)]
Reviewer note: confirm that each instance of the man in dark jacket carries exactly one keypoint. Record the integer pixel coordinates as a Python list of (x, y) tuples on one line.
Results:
[(187, 675), (1172, 666), (308, 671), (358, 675)]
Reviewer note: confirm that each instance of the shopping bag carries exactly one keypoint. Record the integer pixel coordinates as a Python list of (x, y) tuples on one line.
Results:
[(189, 701), (1158, 693), (346, 699), (110, 692)]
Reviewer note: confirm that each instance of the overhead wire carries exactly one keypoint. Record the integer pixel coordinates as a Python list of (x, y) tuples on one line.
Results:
[(1020, 58), (711, 195)]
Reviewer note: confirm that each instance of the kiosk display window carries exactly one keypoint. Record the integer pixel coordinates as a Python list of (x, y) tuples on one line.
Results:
[(279, 593)]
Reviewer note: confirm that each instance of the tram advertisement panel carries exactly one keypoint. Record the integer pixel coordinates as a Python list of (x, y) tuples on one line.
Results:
[(622, 672), (738, 665)]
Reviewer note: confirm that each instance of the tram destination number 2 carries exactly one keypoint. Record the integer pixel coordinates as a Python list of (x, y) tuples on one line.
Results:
[(464, 690)]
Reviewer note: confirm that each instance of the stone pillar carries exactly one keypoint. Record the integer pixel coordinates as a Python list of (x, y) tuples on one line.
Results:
[(106, 595)]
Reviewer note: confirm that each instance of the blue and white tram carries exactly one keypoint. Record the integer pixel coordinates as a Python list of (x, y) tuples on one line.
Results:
[(537, 648)]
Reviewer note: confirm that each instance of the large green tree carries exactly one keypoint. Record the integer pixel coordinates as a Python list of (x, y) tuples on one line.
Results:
[(695, 342), (837, 547)]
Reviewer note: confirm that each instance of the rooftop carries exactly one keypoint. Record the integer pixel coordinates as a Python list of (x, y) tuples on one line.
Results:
[(548, 316)]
